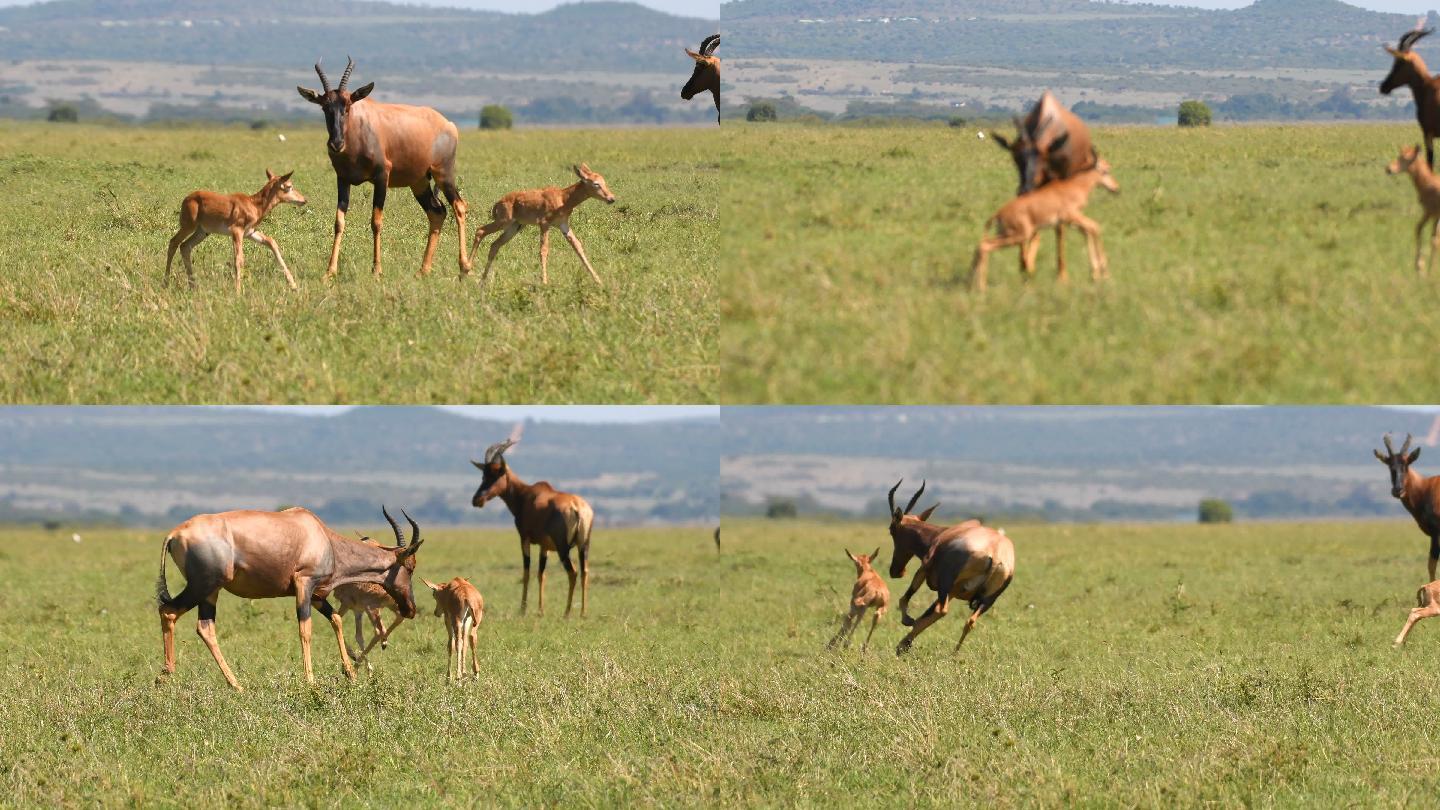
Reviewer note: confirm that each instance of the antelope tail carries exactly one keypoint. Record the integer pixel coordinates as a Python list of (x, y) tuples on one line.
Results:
[(162, 590), (577, 525)]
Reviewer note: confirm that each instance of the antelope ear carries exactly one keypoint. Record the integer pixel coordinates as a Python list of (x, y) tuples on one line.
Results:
[(309, 95), (269, 175), (851, 556), (361, 93), (874, 555), (1414, 456), (286, 176), (477, 464), (1059, 143), (926, 514), (693, 55), (1391, 51), (1000, 140), (1382, 458), (432, 586)]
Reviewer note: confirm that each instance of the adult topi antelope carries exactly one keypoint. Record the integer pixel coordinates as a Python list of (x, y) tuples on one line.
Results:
[(1420, 495), (556, 521), (966, 561), (1409, 70), (239, 215), (707, 72), (388, 146), (547, 207), (366, 599), (262, 555)]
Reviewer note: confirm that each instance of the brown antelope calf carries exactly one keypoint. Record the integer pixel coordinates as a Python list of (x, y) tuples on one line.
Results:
[(966, 561), (556, 521), (463, 608), (547, 207), (263, 555), (870, 591), (1061, 202), (1420, 495), (707, 72), (1427, 186), (366, 599), (206, 212), (1427, 601), (1409, 70)]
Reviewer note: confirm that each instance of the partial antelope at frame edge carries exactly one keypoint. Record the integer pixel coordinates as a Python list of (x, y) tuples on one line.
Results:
[(1427, 187), (203, 213), (546, 207), (1419, 495), (1408, 70), (706, 75)]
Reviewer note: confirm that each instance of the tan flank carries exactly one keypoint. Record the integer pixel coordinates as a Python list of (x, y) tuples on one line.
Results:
[(870, 591), (547, 207), (239, 215)]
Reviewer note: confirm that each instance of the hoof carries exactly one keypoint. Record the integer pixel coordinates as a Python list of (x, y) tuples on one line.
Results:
[(907, 621)]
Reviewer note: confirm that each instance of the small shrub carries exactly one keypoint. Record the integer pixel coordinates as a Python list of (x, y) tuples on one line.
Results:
[(1214, 510), (64, 113), (761, 111), (1194, 114), (957, 121), (494, 116), (780, 508)]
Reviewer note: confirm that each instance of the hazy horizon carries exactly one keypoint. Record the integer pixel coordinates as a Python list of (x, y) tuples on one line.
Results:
[(706, 9)]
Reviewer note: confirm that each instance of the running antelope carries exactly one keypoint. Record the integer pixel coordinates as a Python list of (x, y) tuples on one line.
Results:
[(239, 215), (1058, 203), (547, 207), (1420, 495), (262, 555), (870, 591), (388, 146), (965, 561), (1428, 187), (1409, 70), (366, 599), (555, 521), (1427, 601), (463, 608), (707, 72)]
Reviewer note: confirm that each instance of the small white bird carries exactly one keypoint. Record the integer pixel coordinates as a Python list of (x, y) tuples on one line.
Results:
[(75, 537), (280, 137), (980, 135)]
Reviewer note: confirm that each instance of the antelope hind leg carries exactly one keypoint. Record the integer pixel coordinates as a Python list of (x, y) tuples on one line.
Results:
[(205, 628)]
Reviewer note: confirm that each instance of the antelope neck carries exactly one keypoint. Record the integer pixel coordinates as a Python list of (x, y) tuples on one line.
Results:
[(515, 490), (355, 561), (574, 195)]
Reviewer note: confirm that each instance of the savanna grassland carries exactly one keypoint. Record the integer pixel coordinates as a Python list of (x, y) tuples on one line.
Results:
[(1129, 665), (1254, 264), (86, 213)]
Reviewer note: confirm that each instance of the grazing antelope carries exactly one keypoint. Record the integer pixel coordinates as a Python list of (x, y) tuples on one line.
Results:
[(262, 555), (555, 521), (1409, 70), (1427, 601), (966, 561), (388, 146), (707, 72), (1059, 203), (463, 608), (206, 212), (1420, 495), (870, 591), (366, 599), (1428, 187), (547, 207)]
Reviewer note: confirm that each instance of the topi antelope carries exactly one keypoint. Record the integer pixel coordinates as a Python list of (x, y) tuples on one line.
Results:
[(870, 591), (707, 72), (1058, 203), (1420, 495), (262, 555), (463, 608), (1427, 186), (388, 146), (239, 215), (555, 521), (547, 207), (366, 599), (1427, 601), (966, 561), (1409, 70)]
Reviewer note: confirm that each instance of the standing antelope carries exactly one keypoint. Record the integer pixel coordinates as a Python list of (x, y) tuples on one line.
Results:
[(366, 599), (262, 555), (556, 521), (1409, 70), (869, 591), (206, 212), (707, 72), (1420, 495), (388, 146), (966, 561), (1427, 186), (1058, 203), (1427, 601), (463, 608), (547, 207)]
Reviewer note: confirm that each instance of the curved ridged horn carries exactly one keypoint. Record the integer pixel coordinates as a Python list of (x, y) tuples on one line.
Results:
[(915, 497), (345, 77), (709, 44), (395, 527), (497, 450), (324, 82), (414, 528), (1409, 38), (1389, 448), (891, 496), (1404, 448)]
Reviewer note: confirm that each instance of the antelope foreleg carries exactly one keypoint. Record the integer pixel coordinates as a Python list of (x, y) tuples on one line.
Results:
[(275, 250), (525, 587), (377, 218), (540, 582), (874, 620), (932, 614), (1060, 253), (915, 584), (342, 204), (579, 251)]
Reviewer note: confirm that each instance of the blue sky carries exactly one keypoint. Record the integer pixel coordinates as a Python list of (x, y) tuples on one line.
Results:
[(546, 413), (709, 9)]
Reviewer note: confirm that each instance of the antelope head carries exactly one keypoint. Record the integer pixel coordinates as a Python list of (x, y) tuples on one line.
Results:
[(1408, 65), (1407, 158), (1106, 178), (495, 477), (707, 68), (436, 591), (1399, 464), (283, 190), (1030, 160), (336, 103), (397, 578), (593, 184), (902, 529), (863, 562)]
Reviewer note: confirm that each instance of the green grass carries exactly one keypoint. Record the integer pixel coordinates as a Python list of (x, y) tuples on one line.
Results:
[(1250, 265), (1127, 665), (86, 213)]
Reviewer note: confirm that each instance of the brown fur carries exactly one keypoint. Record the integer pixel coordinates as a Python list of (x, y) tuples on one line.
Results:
[(706, 76), (207, 212), (1427, 186), (1408, 70), (548, 207), (463, 608), (1427, 601), (1419, 495), (366, 599), (869, 591)]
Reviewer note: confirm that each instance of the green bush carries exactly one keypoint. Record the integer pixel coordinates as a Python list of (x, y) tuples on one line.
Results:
[(1214, 510), (780, 508), (761, 111), (494, 116), (1194, 114), (957, 121), (64, 113)]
